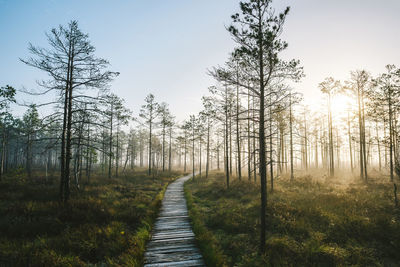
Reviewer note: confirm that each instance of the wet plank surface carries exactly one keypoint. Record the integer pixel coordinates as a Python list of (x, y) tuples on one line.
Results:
[(172, 242)]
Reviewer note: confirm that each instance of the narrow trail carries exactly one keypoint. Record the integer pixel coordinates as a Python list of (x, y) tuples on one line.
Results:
[(173, 241)]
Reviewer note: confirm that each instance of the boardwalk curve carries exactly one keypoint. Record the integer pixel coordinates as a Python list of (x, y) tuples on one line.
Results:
[(173, 241)]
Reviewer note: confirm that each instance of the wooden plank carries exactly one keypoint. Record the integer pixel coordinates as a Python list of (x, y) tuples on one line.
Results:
[(173, 241), (173, 235), (173, 247), (188, 263), (174, 256)]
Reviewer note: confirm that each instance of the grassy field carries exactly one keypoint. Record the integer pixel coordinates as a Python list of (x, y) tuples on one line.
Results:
[(105, 224), (310, 223)]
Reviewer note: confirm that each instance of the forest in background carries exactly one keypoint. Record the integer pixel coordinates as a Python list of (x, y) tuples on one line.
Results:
[(254, 125)]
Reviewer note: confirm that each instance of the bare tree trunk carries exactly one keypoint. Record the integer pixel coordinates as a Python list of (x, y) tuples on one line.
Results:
[(126, 160), (349, 133), (103, 153), (379, 146), (248, 137), (230, 142), (239, 160), (87, 153), (279, 156), (163, 148), (384, 138), (271, 166), (331, 152), (170, 150), (305, 142), (360, 126), (78, 157), (254, 144), (3, 152), (226, 139), (390, 137), (150, 133), (90, 167), (141, 156), (394, 128), (69, 133), (29, 156), (117, 152), (261, 138), (184, 164), (218, 161), (208, 147), (200, 156), (193, 169), (132, 152), (110, 141), (291, 138), (323, 136), (316, 149), (363, 136), (337, 149), (64, 127)]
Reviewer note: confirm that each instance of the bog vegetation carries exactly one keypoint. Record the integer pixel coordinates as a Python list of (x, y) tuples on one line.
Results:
[(296, 184), (107, 222), (311, 222)]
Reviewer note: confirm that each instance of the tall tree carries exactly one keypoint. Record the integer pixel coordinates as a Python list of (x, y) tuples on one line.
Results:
[(186, 134), (122, 116), (7, 96), (192, 125), (149, 112), (387, 93), (165, 121), (72, 66), (223, 97), (357, 86), (170, 132), (257, 31), (209, 114), (31, 124), (329, 87)]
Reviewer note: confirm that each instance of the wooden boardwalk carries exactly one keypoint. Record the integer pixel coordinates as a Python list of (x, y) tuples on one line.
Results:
[(173, 241)]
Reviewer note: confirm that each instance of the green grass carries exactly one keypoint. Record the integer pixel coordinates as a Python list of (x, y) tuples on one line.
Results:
[(206, 241), (106, 223), (310, 223)]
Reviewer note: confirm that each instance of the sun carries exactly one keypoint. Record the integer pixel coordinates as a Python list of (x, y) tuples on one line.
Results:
[(341, 105)]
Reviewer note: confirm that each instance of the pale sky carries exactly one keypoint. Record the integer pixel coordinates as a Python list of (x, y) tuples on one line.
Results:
[(165, 47)]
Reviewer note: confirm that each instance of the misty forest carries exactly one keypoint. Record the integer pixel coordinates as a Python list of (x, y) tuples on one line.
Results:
[(259, 176)]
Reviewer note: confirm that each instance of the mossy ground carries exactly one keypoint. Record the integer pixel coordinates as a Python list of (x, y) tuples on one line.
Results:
[(106, 222), (310, 221)]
